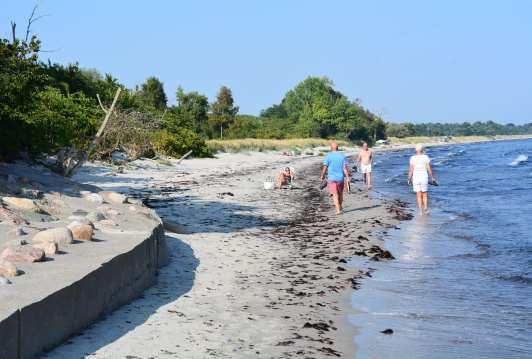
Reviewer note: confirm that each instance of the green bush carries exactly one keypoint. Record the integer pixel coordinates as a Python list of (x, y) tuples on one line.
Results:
[(59, 121), (179, 142)]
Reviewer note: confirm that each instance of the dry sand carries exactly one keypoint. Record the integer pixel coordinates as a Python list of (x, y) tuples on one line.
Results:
[(259, 274)]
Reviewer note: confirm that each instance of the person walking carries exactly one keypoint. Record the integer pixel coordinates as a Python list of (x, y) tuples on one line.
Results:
[(335, 165), (364, 161), (418, 175)]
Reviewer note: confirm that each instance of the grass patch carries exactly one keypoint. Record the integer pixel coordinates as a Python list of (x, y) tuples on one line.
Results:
[(255, 144)]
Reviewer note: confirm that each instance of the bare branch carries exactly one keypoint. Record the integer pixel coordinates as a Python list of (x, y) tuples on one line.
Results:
[(13, 32), (100, 102), (33, 19), (30, 21)]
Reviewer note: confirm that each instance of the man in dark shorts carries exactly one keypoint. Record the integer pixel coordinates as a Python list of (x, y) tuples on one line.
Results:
[(335, 165)]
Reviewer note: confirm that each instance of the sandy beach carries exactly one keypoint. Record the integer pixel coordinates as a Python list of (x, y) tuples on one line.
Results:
[(253, 272)]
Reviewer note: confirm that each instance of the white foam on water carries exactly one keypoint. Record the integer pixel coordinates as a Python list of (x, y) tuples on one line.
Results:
[(519, 159)]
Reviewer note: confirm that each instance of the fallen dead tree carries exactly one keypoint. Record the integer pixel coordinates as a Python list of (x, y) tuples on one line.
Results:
[(69, 160)]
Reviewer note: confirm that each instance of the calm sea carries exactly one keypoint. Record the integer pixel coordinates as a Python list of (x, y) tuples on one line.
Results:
[(461, 286)]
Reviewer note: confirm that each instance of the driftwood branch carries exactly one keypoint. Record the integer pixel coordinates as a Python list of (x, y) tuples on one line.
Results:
[(100, 102), (72, 166), (184, 156)]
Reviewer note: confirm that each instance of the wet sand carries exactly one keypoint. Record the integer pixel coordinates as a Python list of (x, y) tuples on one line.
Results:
[(259, 273)]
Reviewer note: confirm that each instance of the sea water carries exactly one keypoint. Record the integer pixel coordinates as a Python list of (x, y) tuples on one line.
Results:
[(461, 286)]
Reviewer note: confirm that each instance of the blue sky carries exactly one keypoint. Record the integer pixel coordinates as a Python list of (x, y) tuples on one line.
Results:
[(447, 60)]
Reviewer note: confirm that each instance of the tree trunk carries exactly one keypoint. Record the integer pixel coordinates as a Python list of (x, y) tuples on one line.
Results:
[(221, 131)]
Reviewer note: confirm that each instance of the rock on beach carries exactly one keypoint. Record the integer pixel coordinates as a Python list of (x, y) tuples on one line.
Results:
[(61, 236), (28, 254), (7, 269), (81, 231), (21, 203), (49, 248), (113, 197)]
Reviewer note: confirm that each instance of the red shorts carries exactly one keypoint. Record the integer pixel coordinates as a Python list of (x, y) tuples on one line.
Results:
[(335, 187)]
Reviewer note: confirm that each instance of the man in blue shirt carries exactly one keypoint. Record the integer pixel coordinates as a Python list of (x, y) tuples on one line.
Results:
[(335, 164)]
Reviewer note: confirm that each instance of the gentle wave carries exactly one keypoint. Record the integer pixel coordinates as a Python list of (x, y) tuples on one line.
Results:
[(519, 159)]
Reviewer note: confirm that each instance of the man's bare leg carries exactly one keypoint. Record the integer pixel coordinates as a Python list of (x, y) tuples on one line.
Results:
[(425, 198), (337, 204), (419, 202), (369, 179), (341, 200)]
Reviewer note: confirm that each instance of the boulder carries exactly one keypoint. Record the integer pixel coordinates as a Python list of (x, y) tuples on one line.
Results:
[(61, 236), (93, 197), (24, 204), (80, 220), (113, 197), (81, 232), (49, 248), (7, 269), (27, 254), (95, 216), (11, 217)]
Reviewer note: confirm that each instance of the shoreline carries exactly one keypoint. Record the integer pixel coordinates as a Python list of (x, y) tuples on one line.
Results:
[(267, 267)]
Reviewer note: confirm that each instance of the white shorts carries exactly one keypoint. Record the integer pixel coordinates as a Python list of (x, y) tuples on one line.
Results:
[(420, 184), (365, 168)]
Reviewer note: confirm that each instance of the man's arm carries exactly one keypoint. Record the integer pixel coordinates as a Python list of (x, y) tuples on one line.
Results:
[(410, 173), (323, 171), (359, 158), (346, 172), (370, 157)]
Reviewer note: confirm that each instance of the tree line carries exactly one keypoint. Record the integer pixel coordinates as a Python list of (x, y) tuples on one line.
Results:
[(478, 128), (46, 107)]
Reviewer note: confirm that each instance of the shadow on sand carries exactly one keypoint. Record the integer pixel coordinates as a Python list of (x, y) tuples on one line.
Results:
[(173, 281)]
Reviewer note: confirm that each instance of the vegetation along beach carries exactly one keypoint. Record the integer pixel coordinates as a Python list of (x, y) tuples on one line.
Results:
[(261, 181)]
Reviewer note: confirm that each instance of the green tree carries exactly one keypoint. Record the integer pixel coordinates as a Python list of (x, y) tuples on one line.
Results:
[(21, 78), (223, 109), (191, 112), (152, 94), (59, 121)]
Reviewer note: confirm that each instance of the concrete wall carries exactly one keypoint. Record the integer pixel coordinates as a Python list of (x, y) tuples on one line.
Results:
[(44, 324)]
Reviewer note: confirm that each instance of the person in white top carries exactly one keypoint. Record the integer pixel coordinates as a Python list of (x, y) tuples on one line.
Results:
[(418, 175)]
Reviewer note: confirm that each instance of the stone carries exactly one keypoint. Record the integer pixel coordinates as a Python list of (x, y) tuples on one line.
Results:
[(60, 235), (80, 220), (7, 269), (95, 216), (4, 280), (11, 217), (27, 254), (81, 232), (49, 248), (113, 197), (21, 203), (93, 197)]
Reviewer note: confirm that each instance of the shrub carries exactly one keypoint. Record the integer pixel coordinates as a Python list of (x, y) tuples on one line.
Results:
[(179, 142)]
